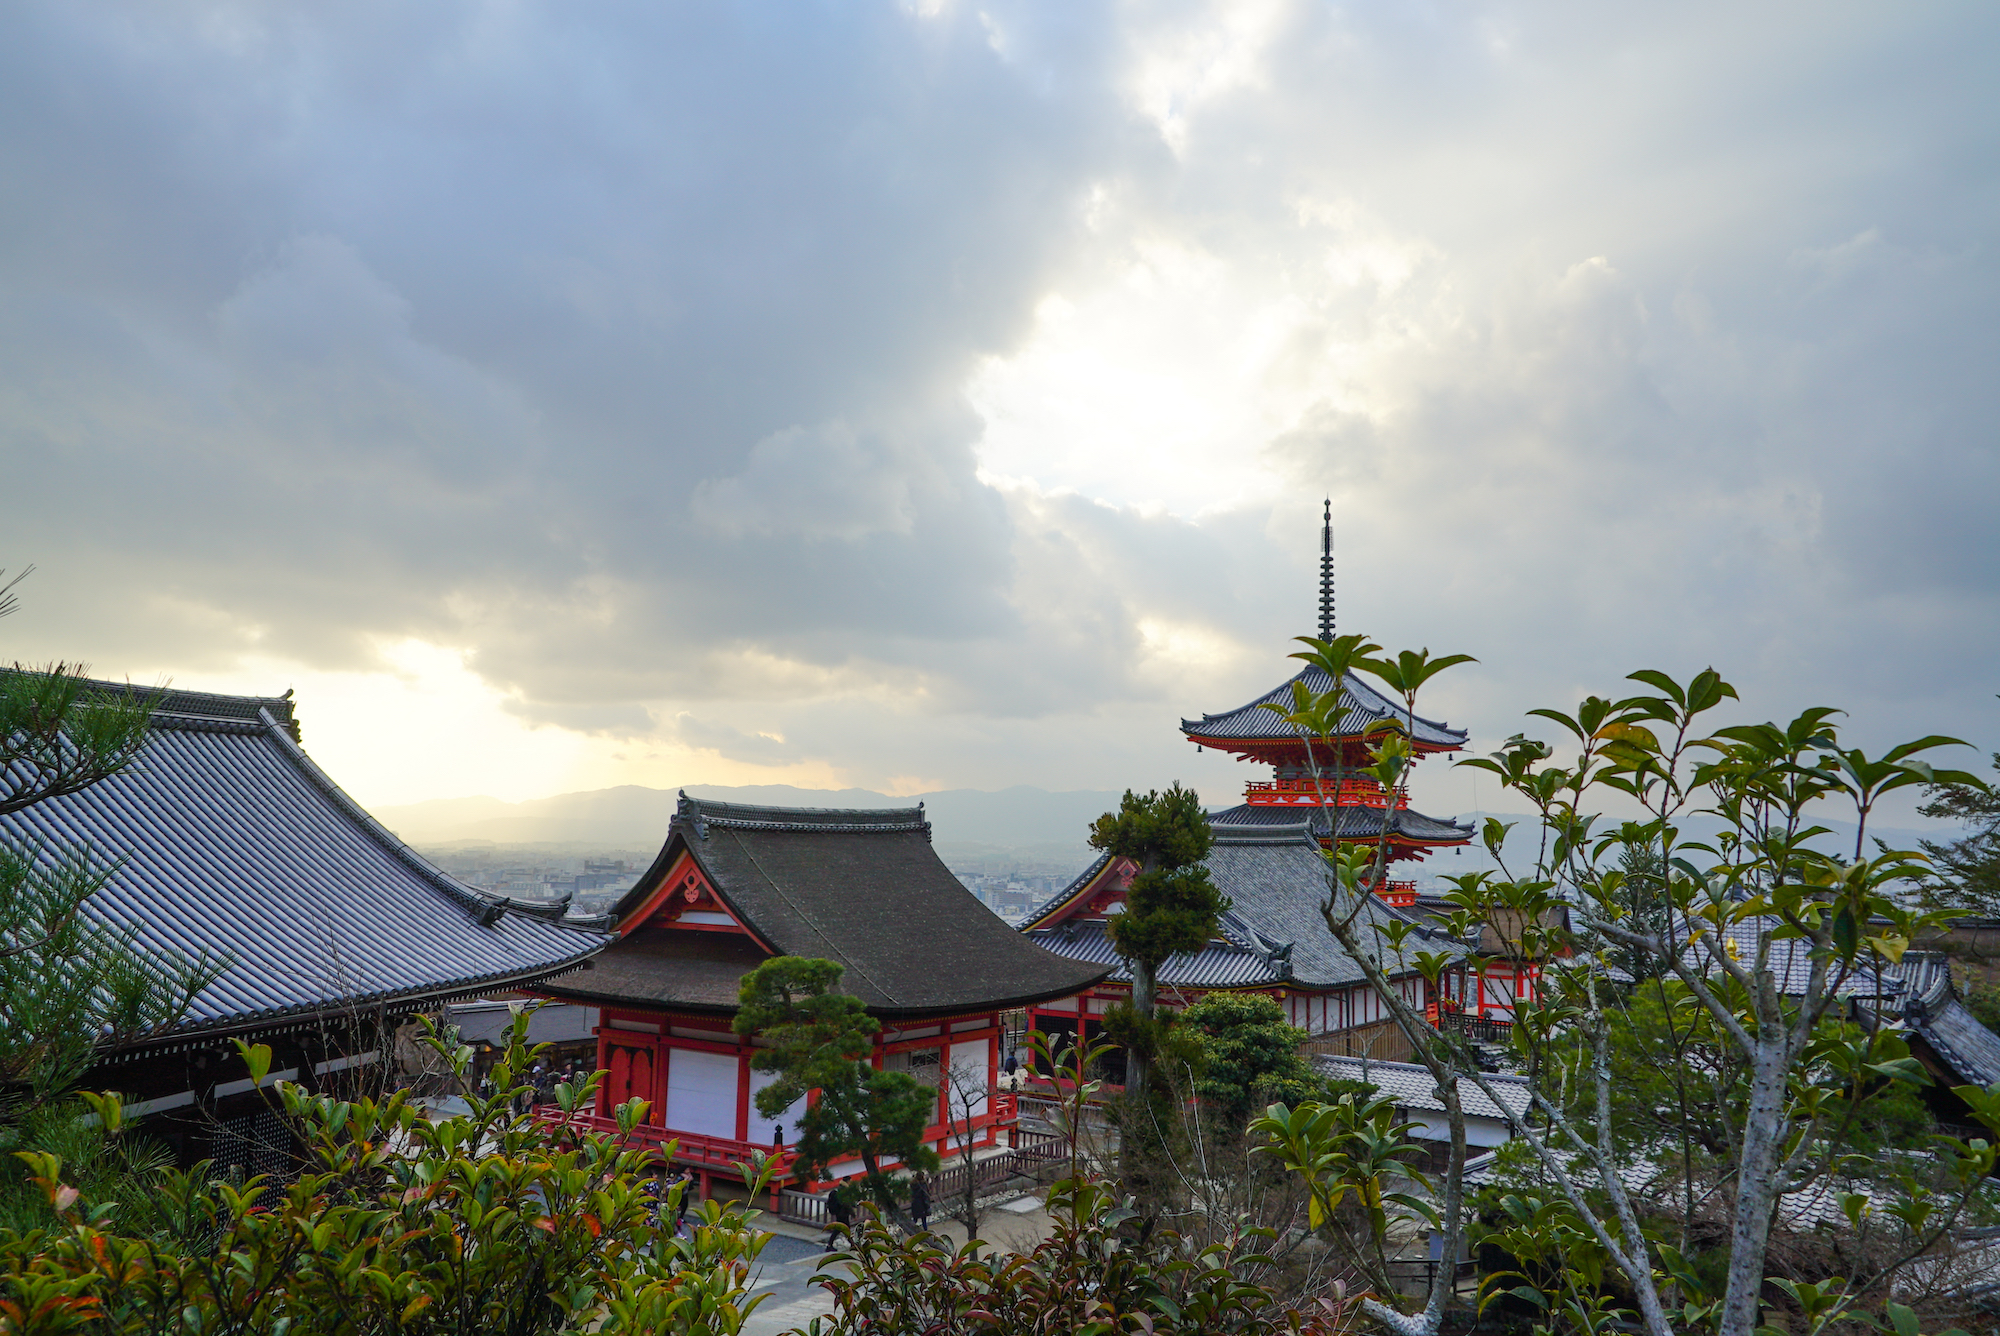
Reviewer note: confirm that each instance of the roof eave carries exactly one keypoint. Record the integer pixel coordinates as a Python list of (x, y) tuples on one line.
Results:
[(389, 999)]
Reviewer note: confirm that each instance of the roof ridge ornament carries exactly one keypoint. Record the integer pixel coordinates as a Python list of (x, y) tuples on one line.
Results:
[(1326, 575), (688, 807)]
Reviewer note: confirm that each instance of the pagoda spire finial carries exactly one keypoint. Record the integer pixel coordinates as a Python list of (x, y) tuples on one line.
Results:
[(1326, 575)]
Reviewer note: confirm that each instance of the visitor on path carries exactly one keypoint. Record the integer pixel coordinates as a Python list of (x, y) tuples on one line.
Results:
[(920, 1201), (839, 1210), (655, 1191), (687, 1198)]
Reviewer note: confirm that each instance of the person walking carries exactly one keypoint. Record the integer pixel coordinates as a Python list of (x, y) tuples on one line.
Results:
[(920, 1201), (839, 1211), (655, 1190), (687, 1198)]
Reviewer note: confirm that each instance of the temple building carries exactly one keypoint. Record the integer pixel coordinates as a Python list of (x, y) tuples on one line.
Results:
[(1360, 808), (735, 885), (1272, 940), (1268, 860), (227, 843)]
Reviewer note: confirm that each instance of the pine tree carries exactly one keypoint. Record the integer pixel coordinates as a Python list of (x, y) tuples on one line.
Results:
[(1966, 870), (1171, 906)]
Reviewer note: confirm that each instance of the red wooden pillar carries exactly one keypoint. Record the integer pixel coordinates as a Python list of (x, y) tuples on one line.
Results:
[(743, 1095)]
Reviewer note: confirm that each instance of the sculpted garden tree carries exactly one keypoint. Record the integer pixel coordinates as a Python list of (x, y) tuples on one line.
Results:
[(71, 987), (1751, 936), (1248, 1056), (1170, 907), (820, 1040)]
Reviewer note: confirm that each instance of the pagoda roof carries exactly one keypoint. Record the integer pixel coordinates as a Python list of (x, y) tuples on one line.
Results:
[(225, 838), (1272, 935), (860, 887), (1356, 822), (1366, 705)]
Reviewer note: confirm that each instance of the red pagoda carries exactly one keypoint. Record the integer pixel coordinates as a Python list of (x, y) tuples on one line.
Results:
[(1361, 807)]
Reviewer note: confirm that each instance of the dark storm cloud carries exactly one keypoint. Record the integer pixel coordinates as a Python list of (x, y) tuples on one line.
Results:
[(627, 348), (563, 334)]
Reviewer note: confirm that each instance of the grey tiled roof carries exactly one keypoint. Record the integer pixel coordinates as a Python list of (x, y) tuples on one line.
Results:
[(1356, 823), (1957, 1037), (861, 887), (706, 813), (230, 840), (1935, 1018), (1368, 706), (1273, 933), (1412, 1086), (1790, 960), (1220, 964)]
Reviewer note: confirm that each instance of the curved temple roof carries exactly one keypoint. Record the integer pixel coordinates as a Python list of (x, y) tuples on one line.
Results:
[(861, 887), (1367, 706), (1273, 933), (1356, 823), (229, 840)]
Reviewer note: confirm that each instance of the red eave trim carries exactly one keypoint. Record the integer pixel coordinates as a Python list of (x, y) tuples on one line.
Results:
[(1062, 909), (674, 883), (1280, 745)]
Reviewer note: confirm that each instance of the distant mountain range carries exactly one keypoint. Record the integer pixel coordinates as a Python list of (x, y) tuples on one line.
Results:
[(1023, 829), (1026, 828)]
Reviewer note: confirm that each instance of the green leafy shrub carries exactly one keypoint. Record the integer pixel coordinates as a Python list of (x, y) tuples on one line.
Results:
[(489, 1224), (1100, 1272), (1250, 1055)]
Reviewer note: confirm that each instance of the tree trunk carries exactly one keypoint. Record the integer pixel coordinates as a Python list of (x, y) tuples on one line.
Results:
[(1756, 1186), (1144, 990)]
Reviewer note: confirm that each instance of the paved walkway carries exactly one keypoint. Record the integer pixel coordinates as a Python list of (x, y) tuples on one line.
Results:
[(786, 1268)]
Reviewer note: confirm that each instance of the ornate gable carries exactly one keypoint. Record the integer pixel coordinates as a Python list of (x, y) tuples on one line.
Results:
[(686, 899)]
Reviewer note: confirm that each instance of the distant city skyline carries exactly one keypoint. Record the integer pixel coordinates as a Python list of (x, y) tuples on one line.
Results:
[(926, 396)]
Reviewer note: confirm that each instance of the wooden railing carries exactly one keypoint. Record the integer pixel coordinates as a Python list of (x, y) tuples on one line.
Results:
[(1306, 793), (694, 1148), (807, 1208), (1031, 1156), (1381, 1041), (1483, 1029), (1396, 892)]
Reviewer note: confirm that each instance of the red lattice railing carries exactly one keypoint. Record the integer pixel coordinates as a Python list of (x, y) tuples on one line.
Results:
[(1397, 892), (1305, 793)]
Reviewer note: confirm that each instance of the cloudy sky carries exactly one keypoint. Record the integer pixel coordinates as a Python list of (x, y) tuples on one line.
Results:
[(942, 393)]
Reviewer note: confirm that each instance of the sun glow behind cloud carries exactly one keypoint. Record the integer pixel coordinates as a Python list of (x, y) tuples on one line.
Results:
[(937, 394), (426, 726), (1163, 383)]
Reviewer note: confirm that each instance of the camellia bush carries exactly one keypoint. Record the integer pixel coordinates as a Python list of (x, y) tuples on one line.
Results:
[(1107, 1267), (1713, 1061), (1099, 1272), (492, 1223)]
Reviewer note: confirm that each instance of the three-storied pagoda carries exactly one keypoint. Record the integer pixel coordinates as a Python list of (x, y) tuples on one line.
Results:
[(1363, 809), (1268, 860)]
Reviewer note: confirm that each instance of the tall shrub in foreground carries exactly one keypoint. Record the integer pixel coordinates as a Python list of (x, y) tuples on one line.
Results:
[(492, 1223), (1171, 905), (1749, 923)]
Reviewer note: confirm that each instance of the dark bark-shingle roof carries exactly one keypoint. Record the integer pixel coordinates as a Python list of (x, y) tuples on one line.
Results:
[(860, 887), (229, 840)]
